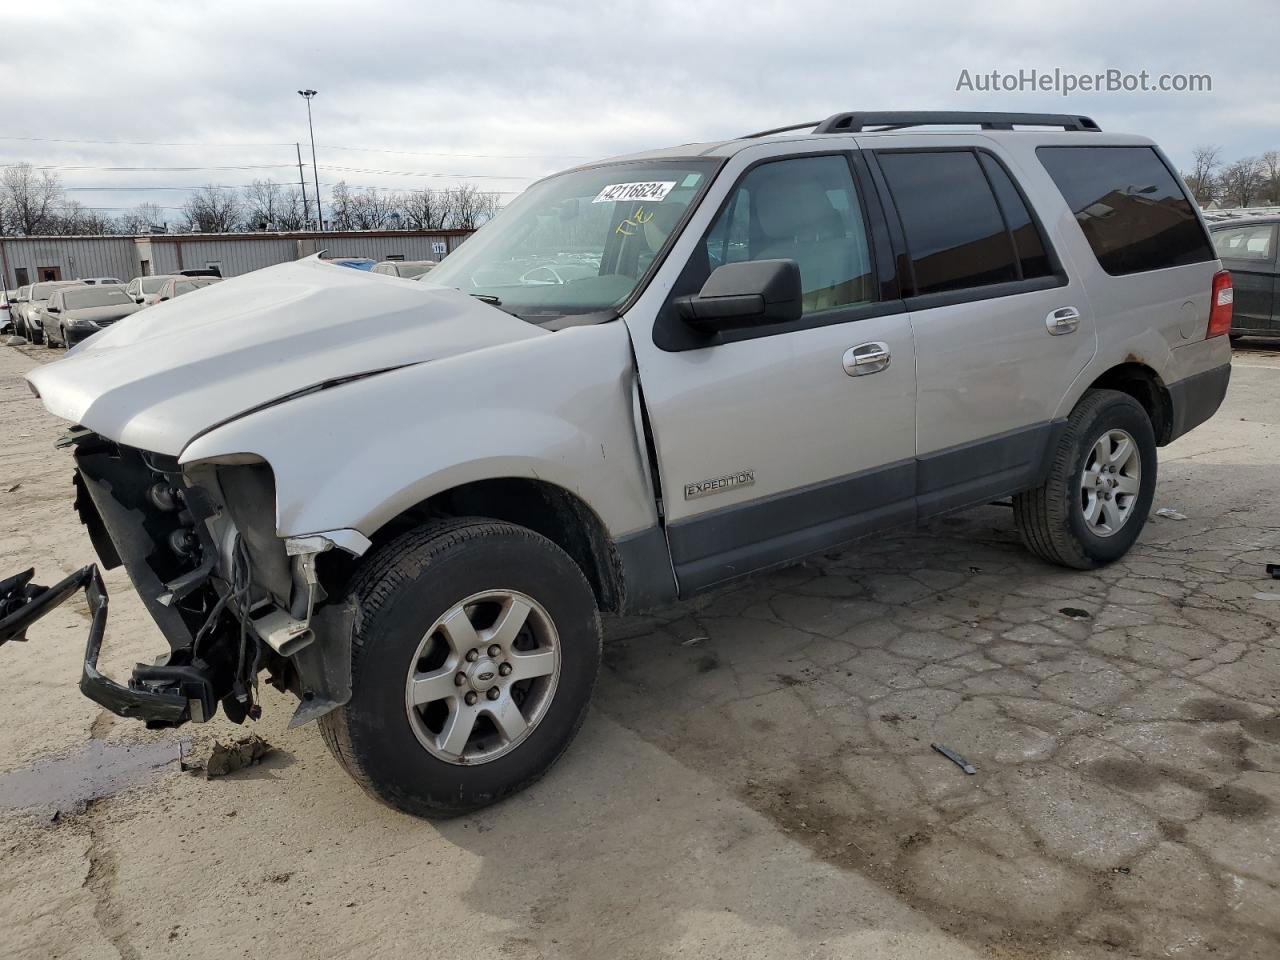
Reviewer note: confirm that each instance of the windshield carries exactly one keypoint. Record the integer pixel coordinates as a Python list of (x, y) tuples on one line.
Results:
[(43, 291), (578, 242), (153, 284), (96, 297)]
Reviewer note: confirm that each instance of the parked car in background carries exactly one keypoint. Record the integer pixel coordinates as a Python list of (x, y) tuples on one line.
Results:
[(1248, 248), (6, 317), (99, 280), (36, 299), (17, 310), (73, 314), (177, 286), (146, 290), (409, 269)]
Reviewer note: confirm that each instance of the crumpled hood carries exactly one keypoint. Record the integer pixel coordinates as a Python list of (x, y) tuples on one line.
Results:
[(158, 378)]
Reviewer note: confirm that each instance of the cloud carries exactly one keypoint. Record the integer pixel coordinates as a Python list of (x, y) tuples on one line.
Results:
[(522, 89)]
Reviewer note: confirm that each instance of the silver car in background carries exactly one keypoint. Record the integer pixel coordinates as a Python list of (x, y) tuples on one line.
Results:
[(28, 322)]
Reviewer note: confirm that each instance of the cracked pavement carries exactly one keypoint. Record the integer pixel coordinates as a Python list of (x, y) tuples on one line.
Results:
[(756, 778)]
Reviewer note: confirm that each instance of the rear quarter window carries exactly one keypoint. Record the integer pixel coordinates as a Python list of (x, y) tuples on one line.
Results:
[(1134, 212)]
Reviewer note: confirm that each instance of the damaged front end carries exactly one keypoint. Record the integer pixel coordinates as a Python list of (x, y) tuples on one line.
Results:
[(230, 597)]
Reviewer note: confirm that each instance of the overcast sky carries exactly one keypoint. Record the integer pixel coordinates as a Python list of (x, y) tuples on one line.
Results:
[(501, 93)]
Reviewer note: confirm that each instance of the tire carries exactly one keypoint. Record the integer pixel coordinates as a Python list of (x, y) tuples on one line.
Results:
[(1052, 519), (402, 592), (49, 344), (35, 335), (66, 339)]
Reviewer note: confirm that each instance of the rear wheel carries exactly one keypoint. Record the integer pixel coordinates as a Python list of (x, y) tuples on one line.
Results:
[(476, 651), (1095, 501)]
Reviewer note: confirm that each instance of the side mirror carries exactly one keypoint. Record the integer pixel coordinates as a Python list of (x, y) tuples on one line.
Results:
[(744, 294), (162, 299), (137, 299), (53, 309)]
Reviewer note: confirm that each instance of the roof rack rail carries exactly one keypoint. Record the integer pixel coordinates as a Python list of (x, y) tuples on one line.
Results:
[(786, 129), (898, 119)]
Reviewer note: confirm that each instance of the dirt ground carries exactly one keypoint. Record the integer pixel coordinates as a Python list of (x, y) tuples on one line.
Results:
[(756, 779)]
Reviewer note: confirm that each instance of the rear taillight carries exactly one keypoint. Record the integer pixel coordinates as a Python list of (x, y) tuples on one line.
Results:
[(1220, 304)]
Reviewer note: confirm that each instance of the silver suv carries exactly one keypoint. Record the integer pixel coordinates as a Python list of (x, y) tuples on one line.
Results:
[(409, 503)]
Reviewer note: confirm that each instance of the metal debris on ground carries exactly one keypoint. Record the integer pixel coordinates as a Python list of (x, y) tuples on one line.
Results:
[(955, 758), (1266, 596), (225, 758), (1273, 571), (14, 341), (692, 641), (1168, 513)]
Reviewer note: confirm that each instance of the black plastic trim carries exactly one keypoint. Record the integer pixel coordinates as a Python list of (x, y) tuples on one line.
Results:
[(645, 567), (898, 119), (977, 472), (731, 542), (1196, 398)]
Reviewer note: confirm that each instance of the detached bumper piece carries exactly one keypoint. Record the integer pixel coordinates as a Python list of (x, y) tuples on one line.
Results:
[(162, 696)]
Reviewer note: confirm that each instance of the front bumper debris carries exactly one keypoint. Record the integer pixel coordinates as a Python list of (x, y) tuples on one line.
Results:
[(162, 696)]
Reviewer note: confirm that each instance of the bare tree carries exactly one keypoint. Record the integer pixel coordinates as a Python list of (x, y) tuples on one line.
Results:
[(426, 209), (212, 209), (471, 206), (340, 206), (1270, 169), (1240, 181), (144, 218), (72, 218), (1205, 161), (31, 198), (373, 209), (266, 203)]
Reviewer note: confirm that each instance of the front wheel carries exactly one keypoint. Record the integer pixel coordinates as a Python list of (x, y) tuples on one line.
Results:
[(1094, 503), (473, 662)]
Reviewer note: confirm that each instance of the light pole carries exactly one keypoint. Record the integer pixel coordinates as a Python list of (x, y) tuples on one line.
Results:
[(307, 95)]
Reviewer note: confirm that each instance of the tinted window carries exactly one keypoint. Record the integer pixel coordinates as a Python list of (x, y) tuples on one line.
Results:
[(1027, 241), (1245, 243), (955, 234), (807, 210), (1133, 211)]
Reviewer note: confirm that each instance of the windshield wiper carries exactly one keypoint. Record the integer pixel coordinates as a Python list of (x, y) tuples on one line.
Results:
[(486, 298)]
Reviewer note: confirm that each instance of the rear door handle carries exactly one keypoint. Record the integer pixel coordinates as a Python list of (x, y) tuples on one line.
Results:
[(1063, 320), (866, 358)]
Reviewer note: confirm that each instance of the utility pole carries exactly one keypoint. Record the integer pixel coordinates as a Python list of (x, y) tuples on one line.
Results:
[(302, 182), (307, 95)]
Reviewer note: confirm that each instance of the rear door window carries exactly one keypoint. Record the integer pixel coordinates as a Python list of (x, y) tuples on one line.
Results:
[(955, 231), (1133, 211)]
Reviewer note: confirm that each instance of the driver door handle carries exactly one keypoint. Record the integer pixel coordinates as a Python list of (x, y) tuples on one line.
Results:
[(1063, 320), (866, 358)]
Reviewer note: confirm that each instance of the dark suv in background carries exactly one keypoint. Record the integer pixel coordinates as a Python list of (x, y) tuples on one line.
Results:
[(1247, 247)]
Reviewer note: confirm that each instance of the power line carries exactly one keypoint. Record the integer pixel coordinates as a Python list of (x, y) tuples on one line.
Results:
[(240, 166), (419, 173), (330, 146)]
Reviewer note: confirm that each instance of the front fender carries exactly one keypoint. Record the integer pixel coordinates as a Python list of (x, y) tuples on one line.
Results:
[(557, 408)]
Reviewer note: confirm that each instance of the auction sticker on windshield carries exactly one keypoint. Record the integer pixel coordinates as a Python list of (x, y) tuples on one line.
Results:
[(652, 190)]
